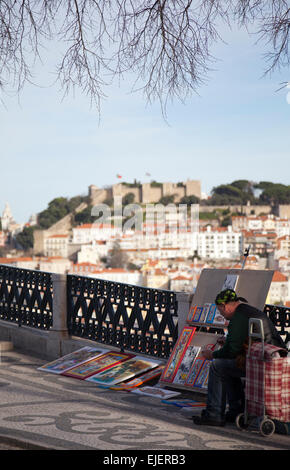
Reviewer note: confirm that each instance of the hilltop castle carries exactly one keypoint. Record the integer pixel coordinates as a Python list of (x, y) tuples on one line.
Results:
[(146, 192)]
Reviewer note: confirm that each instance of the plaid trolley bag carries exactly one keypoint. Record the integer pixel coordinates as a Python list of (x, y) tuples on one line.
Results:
[(267, 392)]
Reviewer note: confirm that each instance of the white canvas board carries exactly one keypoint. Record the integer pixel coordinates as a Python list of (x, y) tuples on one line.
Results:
[(155, 392)]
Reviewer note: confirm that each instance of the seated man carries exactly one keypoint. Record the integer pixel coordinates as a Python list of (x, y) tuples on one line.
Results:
[(226, 369)]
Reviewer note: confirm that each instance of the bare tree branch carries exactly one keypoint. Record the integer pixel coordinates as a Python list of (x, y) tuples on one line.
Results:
[(165, 43)]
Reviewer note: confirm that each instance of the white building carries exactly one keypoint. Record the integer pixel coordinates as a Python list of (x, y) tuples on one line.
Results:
[(56, 245), (88, 233), (119, 275), (220, 242), (93, 252), (55, 264), (279, 289), (283, 247)]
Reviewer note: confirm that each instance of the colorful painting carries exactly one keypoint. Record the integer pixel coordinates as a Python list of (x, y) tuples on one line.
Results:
[(186, 364), (195, 368), (211, 314), (98, 364), (73, 359), (191, 313), (177, 354), (140, 380), (123, 371), (202, 378), (155, 392), (204, 313)]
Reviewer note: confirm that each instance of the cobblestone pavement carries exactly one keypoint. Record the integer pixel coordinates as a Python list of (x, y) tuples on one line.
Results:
[(56, 412)]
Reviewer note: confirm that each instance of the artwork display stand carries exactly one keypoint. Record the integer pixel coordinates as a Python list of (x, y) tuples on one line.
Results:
[(186, 369)]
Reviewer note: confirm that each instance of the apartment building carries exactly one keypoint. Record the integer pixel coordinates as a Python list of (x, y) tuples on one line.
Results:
[(87, 233), (279, 289), (56, 245), (219, 242)]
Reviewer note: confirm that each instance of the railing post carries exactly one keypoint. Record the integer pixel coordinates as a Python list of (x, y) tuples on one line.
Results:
[(184, 300), (59, 331)]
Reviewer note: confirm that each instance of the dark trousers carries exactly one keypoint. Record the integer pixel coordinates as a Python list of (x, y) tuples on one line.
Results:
[(224, 386)]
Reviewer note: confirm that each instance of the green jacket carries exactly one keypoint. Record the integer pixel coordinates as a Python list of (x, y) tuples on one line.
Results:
[(238, 330)]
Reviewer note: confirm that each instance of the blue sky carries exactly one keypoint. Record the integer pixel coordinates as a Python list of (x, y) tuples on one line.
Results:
[(238, 127)]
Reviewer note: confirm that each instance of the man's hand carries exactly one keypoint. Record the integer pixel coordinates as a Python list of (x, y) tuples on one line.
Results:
[(207, 354), (221, 339)]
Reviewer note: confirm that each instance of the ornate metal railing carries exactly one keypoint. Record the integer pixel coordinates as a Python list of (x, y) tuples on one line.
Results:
[(130, 317), (280, 316), (26, 297)]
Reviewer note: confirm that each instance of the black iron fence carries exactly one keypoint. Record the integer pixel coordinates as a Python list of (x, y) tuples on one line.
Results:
[(26, 297), (130, 317), (280, 316)]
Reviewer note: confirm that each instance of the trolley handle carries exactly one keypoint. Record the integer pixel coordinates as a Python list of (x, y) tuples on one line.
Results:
[(260, 334)]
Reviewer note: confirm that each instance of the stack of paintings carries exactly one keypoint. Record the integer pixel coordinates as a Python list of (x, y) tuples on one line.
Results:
[(98, 364), (123, 371), (186, 367), (106, 368), (208, 313)]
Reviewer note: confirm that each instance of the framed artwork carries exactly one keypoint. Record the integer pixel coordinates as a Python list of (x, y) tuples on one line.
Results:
[(123, 371), (73, 359), (195, 368), (202, 377), (186, 364), (177, 354), (230, 282), (97, 364), (140, 380)]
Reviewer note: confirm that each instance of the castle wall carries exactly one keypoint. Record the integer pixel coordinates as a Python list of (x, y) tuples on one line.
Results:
[(284, 211), (150, 194), (193, 188)]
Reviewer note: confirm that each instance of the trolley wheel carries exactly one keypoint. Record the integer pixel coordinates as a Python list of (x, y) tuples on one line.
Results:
[(267, 427), (240, 421)]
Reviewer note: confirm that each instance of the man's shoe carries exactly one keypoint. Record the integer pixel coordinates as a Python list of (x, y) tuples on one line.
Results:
[(208, 421)]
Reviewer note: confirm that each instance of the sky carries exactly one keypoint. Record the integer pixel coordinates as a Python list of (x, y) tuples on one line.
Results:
[(236, 127)]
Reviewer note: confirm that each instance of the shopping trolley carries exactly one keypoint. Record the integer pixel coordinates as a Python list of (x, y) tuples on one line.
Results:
[(267, 390)]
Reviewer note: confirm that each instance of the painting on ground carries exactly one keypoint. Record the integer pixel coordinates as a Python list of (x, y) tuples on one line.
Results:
[(124, 371), (140, 380), (64, 363), (97, 364)]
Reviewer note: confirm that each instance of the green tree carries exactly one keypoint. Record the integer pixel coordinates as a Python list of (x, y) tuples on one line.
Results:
[(274, 193), (84, 217), (165, 200), (189, 200), (25, 238), (57, 209), (128, 199)]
